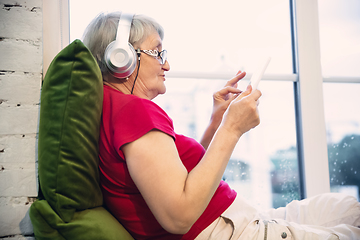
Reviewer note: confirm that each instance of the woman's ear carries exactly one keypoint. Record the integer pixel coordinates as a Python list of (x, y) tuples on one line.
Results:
[(138, 51)]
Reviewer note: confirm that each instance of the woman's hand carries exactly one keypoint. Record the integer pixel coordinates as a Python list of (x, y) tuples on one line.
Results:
[(223, 97), (242, 113), (221, 101)]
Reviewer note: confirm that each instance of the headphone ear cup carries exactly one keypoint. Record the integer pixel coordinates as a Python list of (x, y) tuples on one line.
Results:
[(120, 60)]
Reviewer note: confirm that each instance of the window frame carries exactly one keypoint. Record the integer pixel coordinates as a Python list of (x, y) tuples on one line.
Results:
[(311, 130), (56, 29), (307, 79)]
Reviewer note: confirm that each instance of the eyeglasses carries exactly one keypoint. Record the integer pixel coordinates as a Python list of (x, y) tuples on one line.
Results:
[(160, 56)]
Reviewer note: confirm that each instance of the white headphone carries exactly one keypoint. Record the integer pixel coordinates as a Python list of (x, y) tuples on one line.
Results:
[(120, 55)]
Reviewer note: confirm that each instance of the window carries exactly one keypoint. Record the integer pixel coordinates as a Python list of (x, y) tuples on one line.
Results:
[(340, 37), (221, 36), (282, 159), (340, 49), (211, 44), (264, 165), (343, 134)]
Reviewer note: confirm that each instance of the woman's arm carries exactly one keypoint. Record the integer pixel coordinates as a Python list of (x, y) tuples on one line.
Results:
[(221, 101), (178, 198)]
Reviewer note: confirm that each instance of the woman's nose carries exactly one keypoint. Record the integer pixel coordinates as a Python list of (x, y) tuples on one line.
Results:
[(166, 65)]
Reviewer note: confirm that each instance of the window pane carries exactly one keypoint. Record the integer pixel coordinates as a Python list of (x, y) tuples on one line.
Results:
[(226, 36), (264, 165), (208, 36), (342, 115), (340, 37)]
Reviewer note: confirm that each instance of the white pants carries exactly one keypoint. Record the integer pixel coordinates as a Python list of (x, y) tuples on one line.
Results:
[(326, 216)]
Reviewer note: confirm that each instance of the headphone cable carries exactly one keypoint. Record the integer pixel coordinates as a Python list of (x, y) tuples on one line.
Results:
[(137, 73)]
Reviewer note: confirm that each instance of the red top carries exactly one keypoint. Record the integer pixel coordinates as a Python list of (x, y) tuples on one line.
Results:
[(126, 118)]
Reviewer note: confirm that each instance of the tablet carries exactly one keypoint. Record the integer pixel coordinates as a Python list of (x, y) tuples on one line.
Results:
[(259, 72)]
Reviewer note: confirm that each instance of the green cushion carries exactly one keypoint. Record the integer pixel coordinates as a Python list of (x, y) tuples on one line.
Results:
[(70, 113), (96, 223), (44, 221), (70, 199)]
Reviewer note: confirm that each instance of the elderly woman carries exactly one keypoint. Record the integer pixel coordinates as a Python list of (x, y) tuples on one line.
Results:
[(162, 185)]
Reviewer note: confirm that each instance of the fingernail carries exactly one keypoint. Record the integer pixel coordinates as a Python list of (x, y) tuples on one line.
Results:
[(249, 88)]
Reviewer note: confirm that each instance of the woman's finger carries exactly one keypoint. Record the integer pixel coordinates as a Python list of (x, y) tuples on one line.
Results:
[(256, 94), (235, 79), (228, 89), (246, 92)]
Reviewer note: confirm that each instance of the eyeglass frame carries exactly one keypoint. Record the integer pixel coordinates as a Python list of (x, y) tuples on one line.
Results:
[(156, 54)]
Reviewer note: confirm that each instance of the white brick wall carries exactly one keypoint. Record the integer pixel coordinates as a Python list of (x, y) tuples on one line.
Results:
[(20, 81)]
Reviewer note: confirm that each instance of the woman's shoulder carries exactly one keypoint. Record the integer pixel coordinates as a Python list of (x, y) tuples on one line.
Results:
[(118, 102), (120, 99)]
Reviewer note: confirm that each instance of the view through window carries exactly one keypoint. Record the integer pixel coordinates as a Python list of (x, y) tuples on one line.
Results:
[(340, 50), (221, 38), (264, 165), (343, 133)]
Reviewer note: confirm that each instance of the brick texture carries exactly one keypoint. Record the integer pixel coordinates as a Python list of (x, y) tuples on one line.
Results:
[(20, 81)]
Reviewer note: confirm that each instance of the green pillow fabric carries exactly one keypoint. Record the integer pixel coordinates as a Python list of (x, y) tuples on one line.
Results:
[(92, 224), (69, 205), (70, 113)]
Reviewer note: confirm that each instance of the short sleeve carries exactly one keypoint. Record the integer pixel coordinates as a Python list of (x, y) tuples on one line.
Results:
[(138, 117)]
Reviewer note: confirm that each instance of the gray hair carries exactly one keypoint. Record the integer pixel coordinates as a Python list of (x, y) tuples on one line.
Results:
[(101, 31)]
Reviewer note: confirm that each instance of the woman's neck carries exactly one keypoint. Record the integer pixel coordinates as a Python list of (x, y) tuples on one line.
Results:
[(121, 85)]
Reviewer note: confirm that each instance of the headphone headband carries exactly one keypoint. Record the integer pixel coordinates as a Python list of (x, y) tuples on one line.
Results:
[(120, 56), (124, 26)]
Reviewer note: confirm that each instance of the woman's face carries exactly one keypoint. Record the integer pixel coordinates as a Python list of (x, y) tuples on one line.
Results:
[(151, 78)]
